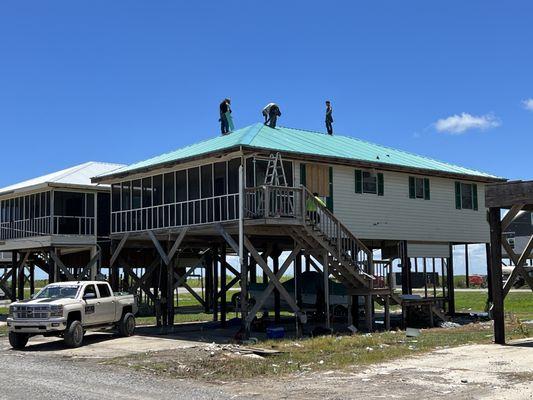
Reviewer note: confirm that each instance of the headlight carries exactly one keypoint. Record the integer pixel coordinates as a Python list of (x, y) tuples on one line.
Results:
[(10, 312), (56, 311)]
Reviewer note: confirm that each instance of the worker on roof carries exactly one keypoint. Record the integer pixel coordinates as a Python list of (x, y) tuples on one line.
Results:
[(271, 113), (311, 206), (226, 121), (329, 117)]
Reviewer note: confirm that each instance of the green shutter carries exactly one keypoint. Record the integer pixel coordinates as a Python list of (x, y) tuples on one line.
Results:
[(474, 196), (458, 195), (303, 174), (358, 181), (426, 189), (412, 193), (380, 184), (329, 199)]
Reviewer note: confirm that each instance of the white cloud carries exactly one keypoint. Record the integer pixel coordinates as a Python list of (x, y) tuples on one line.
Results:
[(458, 124), (528, 104)]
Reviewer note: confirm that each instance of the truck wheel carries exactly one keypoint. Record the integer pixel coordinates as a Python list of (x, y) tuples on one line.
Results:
[(126, 326), (74, 334), (18, 340)]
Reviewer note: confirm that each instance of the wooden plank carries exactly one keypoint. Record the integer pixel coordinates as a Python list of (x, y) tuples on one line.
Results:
[(511, 214), (220, 229), (159, 248), (87, 268), (273, 282), (504, 195), (177, 243), (496, 275), (118, 249), (61, 266)]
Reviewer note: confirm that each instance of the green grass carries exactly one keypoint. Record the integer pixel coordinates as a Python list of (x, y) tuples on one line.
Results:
[(517, 303), (314, 354)]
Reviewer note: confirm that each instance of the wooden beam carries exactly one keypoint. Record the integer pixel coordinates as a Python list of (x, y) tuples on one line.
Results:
[(227, 237), (177, 243), (273, 282), (61, 266), (504, 195), (511, 214), (159, 248), (496, 274), (87, 268), (118, 249)]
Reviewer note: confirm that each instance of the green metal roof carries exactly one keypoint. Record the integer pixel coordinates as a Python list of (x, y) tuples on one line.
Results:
[(303, 142)]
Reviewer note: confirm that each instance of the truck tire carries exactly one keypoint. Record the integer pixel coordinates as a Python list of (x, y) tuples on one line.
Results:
[(74, 334), (18, 340), (126, 325)]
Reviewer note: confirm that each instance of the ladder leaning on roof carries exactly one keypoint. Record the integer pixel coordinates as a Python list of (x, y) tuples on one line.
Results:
[(275, 173)]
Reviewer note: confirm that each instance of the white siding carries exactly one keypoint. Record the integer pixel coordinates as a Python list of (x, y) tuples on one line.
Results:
[(428, 250), (395, 216)]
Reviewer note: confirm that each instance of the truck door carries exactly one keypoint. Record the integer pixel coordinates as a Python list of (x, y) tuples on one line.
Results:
[(90, 298), (106, 307)]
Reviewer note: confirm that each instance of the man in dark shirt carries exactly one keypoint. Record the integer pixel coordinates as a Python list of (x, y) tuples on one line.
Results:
[(329, 117), (224, 109), (273, 112)]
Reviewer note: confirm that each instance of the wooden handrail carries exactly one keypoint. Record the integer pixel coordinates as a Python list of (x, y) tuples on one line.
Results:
[(331, 215)]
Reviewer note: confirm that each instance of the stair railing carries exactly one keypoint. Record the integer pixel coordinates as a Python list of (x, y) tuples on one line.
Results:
[(346, 245)]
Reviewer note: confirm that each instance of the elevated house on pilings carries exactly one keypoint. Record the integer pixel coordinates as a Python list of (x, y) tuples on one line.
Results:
[(58, 223), (187, 204)]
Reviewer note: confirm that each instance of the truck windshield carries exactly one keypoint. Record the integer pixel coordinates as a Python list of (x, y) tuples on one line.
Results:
[(58, 292)]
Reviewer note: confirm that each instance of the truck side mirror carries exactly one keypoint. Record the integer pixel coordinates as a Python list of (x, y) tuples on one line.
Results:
[(88, 296)]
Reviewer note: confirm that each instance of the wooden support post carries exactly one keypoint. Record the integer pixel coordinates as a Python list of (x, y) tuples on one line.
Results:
[(355, 311), (170, 291), (208, 282), (214, 266), (298, 277), (14, 263), (451, 284), (489, 274), (425, 278), (223, 283), (32, 280), (252, 267), (326, 288), (467, 266), (387, 312), (369, 318), (307, 263), (21, 275), (277, 302), (244, 294), (406, 268), (496, 274)]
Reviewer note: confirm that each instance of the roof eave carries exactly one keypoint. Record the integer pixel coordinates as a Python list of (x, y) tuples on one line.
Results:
[(299, 156)]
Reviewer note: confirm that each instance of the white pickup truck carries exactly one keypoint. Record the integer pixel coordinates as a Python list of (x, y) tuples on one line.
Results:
[(69, 309)]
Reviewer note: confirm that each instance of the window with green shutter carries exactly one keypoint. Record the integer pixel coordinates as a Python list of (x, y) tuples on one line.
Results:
[(369, 182), (466, 196), (419, 188)]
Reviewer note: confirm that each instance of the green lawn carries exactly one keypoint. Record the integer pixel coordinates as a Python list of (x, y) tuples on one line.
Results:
[(518, 303)]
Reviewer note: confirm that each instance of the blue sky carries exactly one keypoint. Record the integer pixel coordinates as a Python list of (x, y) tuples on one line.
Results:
[(122, 81)]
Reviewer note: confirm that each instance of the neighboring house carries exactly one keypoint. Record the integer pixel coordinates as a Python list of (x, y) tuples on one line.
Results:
[(519, 232), (56, 219)]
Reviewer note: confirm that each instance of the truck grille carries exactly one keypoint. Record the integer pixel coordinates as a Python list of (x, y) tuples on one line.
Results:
[(31, 312)]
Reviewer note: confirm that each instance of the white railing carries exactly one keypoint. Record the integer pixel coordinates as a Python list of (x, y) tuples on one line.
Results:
[(191, 212), (44, 226)]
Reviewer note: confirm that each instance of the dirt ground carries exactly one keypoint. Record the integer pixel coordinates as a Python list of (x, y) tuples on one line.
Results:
[(467, 372)]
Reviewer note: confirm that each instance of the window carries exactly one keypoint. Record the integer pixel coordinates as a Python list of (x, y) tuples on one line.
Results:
[(369, 182), (136, 194), (158, 190), (466, 196), (147, 192), (181, 185), (194, 183), (207, 181), (233, 175), (169, 188), (115, 196), (418, 188), (220, 178), (89, 289), (104, 290), (126, 195)]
